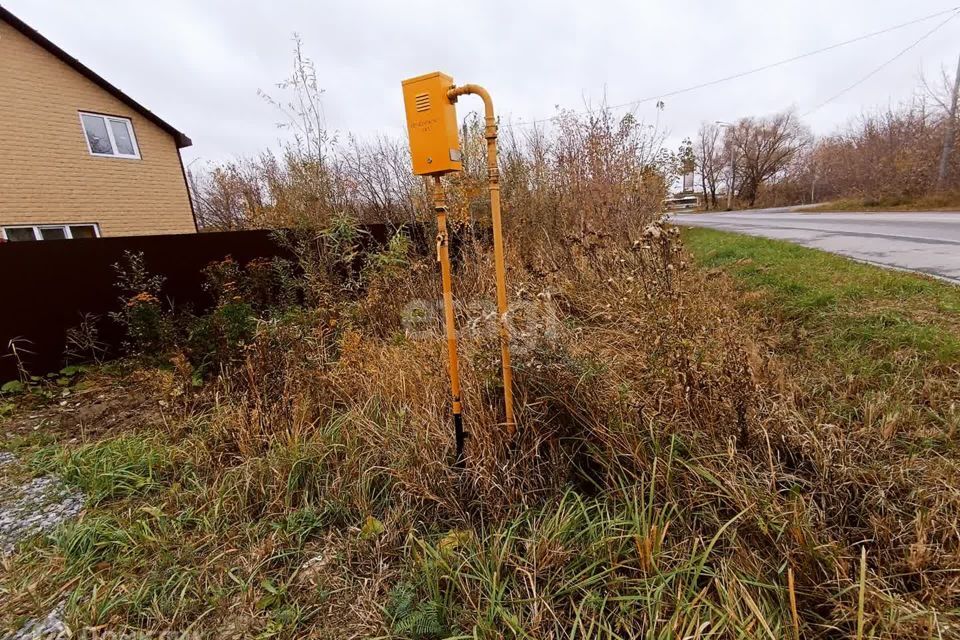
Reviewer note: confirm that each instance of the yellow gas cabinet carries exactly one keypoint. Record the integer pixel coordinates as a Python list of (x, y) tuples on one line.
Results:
[(432, 124)]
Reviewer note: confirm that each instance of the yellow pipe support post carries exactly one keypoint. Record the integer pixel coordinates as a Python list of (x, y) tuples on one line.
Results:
[(443, 257), (493, 173)]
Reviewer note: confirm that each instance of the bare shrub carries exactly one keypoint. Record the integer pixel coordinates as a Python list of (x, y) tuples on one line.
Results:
[(83, 341), (892, 154), (579, 178)]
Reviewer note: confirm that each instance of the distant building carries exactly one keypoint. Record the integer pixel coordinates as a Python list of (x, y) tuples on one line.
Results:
[(681, 201), (80, 158)]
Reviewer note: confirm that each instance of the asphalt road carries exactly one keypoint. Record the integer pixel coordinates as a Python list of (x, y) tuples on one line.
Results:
[(925, 242)]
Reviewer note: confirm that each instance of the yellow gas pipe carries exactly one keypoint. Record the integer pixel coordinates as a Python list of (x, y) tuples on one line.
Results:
[(493, 173), (443, 257)]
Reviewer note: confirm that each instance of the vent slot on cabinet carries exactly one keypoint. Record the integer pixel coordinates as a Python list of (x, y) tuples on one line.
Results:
[(422, 101)]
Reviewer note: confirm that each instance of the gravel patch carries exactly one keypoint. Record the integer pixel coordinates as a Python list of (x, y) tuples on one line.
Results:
[(29, 509), (50, 628), (35, 507)]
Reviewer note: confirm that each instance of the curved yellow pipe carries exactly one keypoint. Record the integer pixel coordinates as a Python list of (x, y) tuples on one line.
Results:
[(476, 90), (493, 173)]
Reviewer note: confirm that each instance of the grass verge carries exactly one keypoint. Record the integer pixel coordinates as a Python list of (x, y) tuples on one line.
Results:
[(935, 202), (849, 305), (700, 447), (880, 344)]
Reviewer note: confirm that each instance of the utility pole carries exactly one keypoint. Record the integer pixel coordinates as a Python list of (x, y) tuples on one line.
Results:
[(950, 131)]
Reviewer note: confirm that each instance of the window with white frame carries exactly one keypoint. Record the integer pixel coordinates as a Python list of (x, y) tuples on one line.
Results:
[(109, 136), (23, 233)]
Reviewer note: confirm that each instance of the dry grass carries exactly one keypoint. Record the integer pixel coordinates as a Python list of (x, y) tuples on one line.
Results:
[(949, 201), (674, 464)]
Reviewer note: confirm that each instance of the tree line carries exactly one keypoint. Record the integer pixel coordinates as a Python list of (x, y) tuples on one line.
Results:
[(583, 177), (583, 174), (900, 154)]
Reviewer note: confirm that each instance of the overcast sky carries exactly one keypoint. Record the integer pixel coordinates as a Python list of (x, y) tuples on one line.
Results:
[(199, 63)]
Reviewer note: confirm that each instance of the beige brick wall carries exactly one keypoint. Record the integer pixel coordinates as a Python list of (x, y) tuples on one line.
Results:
[(47, 174)]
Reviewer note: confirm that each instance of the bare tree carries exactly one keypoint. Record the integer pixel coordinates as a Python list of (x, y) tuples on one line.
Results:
[(227, 197), (709, 156), (765, 147)]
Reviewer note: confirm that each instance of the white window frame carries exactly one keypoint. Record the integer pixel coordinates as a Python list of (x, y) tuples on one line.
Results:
[(106, 121), (68, 235)]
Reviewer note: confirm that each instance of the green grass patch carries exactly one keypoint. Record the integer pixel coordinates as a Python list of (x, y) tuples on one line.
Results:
[(604, 562), (849, 305), (135, 563), (118, 467)]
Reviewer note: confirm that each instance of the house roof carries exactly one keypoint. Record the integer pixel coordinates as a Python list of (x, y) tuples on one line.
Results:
[(181, 138)]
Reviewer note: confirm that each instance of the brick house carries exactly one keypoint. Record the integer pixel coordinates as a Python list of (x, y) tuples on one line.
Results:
[(80, 158)]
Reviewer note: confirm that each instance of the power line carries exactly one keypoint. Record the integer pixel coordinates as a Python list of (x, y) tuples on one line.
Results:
[(882, 66), (954, 11)]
